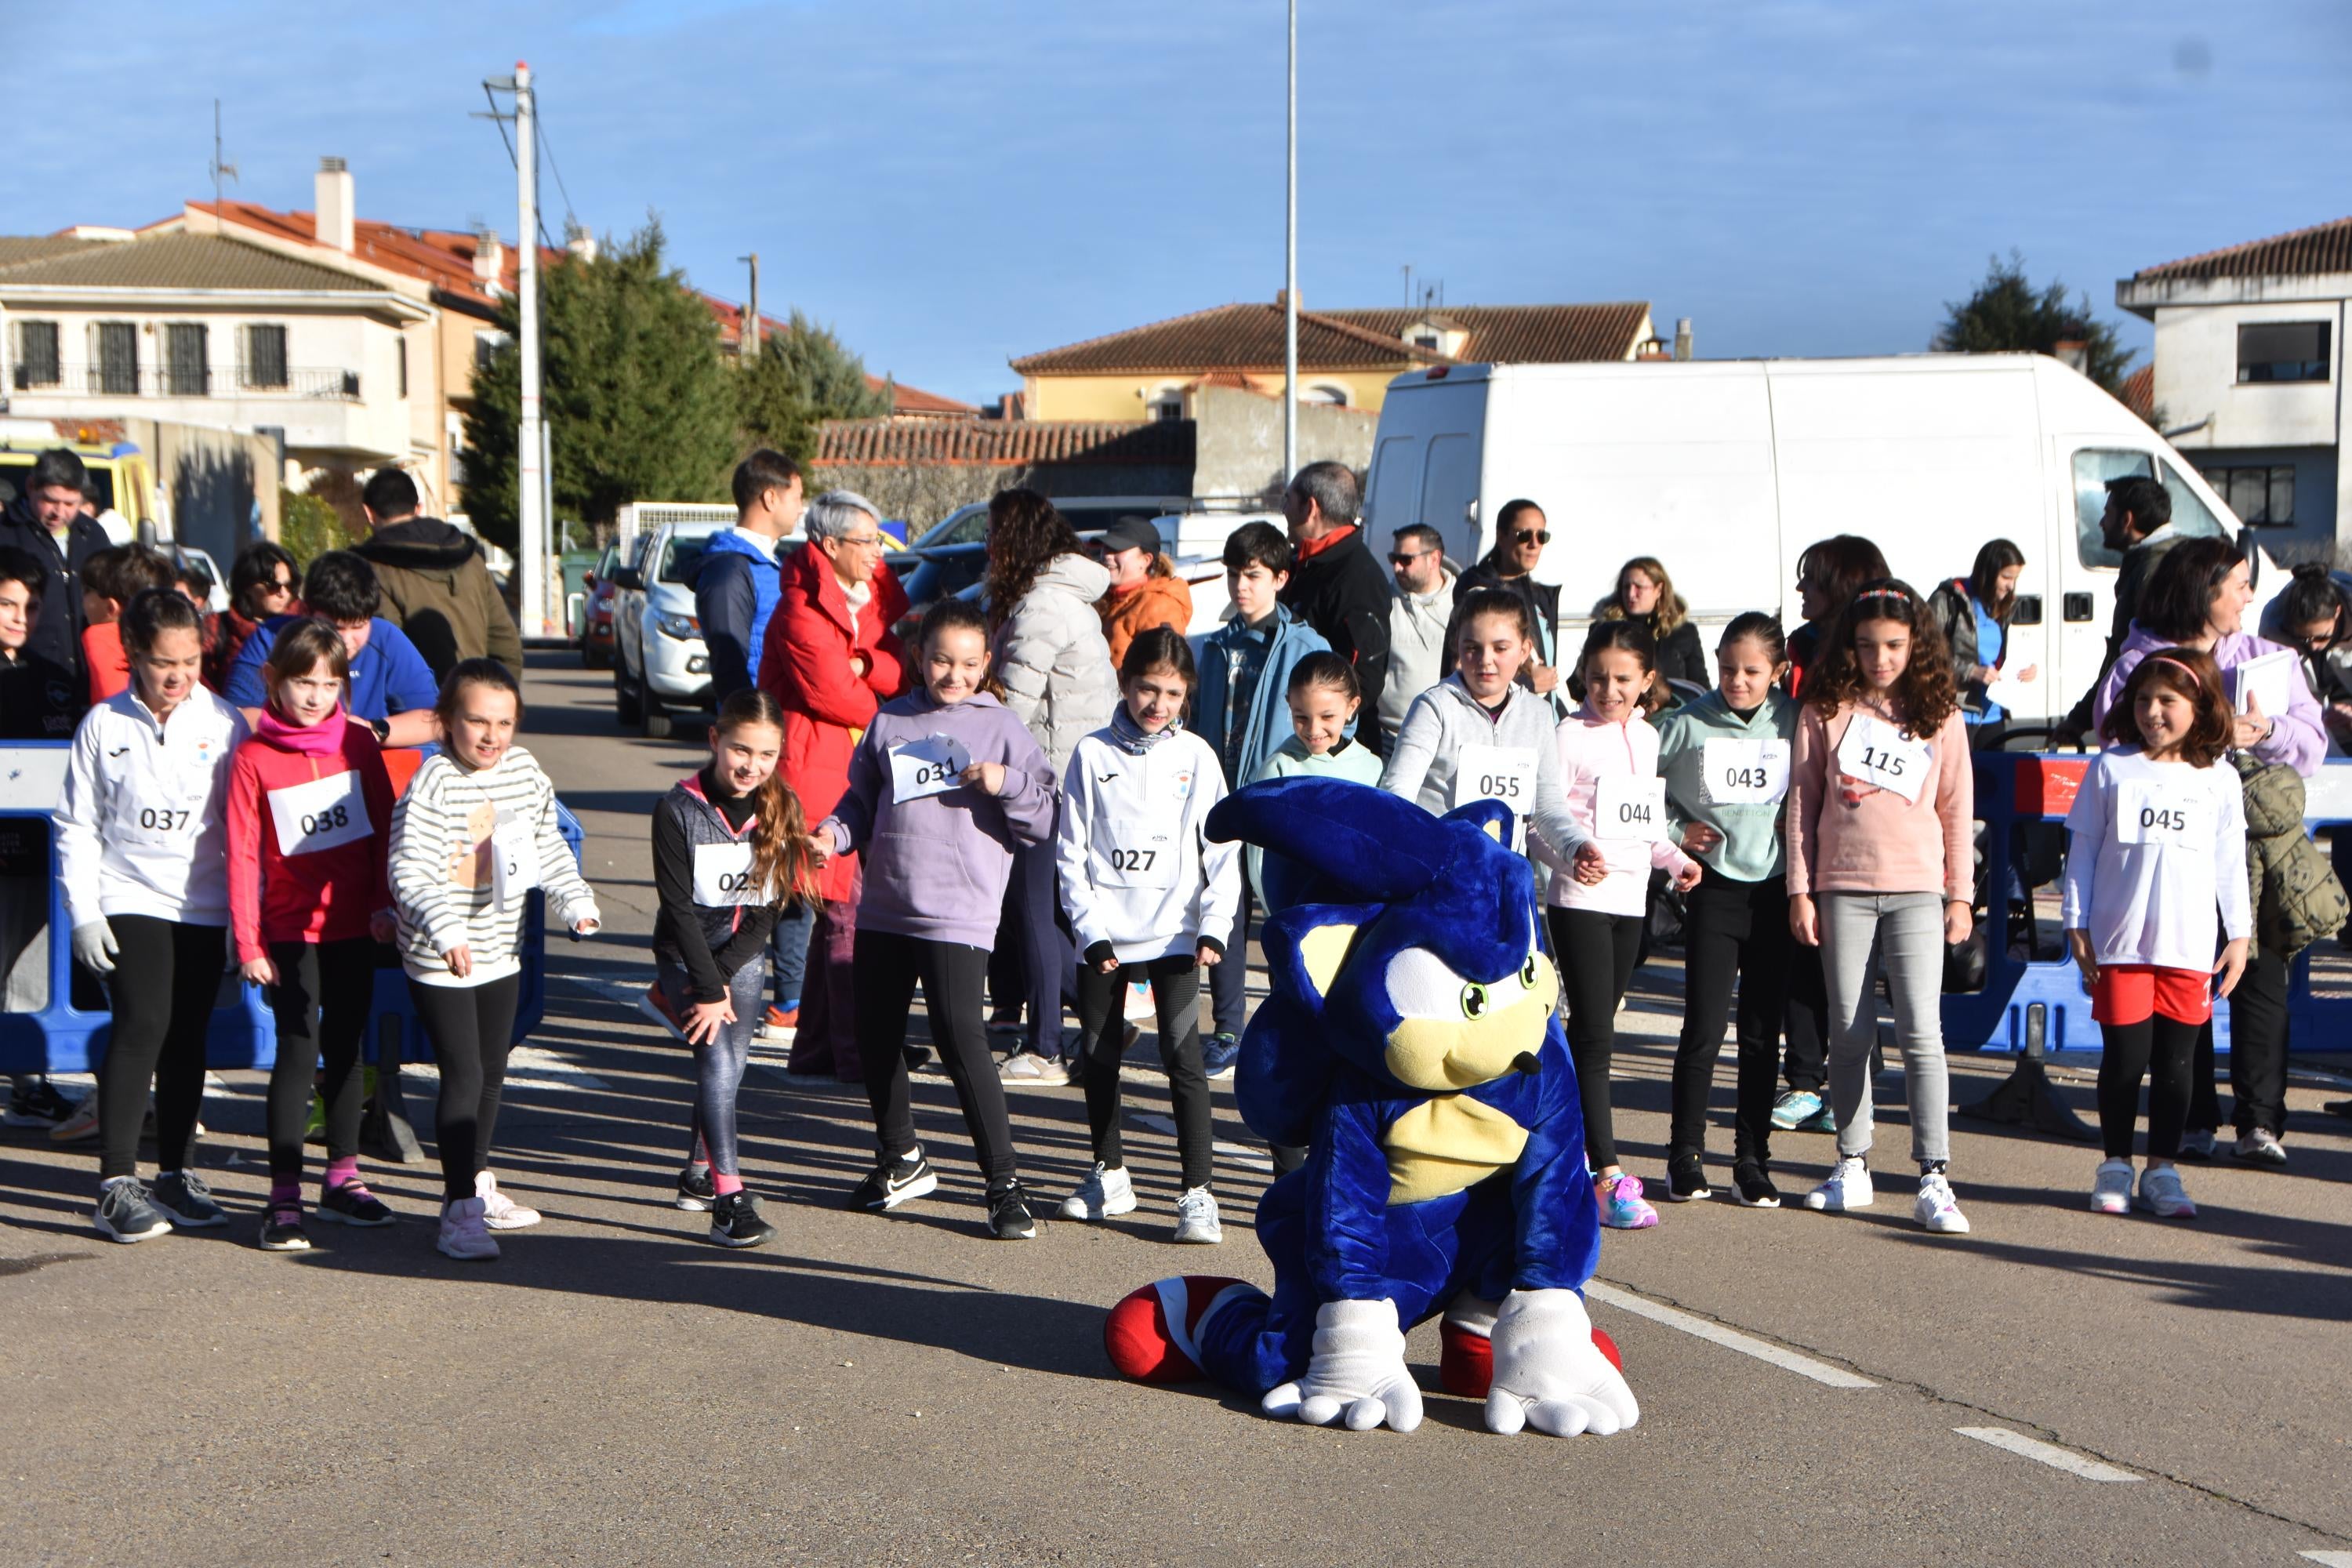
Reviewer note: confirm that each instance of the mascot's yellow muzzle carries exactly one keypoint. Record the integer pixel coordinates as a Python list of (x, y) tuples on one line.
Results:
[(1445, 1054)]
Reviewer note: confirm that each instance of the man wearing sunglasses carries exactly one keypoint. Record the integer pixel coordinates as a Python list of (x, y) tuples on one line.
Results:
[(1337, 585), (1417, 620), (1520, 534)]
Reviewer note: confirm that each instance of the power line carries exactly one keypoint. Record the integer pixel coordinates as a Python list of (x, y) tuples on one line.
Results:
[(499, 119), (539, 128)]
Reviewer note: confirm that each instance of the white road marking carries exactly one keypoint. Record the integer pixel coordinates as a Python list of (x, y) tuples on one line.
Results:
[(1241, 1153), (611, 990), (2048, 1454), (528, 1066), (2328, 1559), (1820, 1372)]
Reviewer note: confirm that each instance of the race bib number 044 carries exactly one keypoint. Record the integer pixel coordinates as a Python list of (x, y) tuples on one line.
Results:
[(1626, 807)]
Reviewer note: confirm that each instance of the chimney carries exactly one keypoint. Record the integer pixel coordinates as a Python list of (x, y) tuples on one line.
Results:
[(2075, 354), (336, 221), (1682, 337), (579, 241), (489, 258)]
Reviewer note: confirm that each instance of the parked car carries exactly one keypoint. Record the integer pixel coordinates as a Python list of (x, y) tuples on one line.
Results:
[(659, 659), (596, 611), (953, 553), (1728, 469)]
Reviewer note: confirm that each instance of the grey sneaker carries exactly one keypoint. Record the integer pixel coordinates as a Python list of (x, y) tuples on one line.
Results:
[(1196, 1218), (182, 1195), (2161, 1194), (125, 1214), (2259, 1146), (2197, 1144), (1104, 1192), (1028, 1067)]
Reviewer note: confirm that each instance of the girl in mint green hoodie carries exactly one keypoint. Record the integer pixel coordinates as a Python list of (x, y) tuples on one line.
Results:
[(1725, 759), (1324, 697)]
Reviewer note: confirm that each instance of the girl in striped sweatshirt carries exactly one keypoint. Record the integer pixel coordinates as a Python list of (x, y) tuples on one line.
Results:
[(308, 899), (475, 832)]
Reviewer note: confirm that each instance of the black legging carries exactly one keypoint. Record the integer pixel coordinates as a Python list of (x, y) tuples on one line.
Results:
[(1806, 1057), (1176, 998), (1595, 952), (167, 978), (2160, 1049), (472, 1029), (1734, 930), (322, 1001), (2257, 1052), (1228, 981), (885, 972)]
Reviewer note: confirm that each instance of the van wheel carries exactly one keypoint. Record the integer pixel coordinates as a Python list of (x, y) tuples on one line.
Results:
[(626, 704)]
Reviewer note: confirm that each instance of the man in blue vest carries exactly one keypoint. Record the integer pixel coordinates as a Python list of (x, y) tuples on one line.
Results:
[(735, 591), (738, 586)]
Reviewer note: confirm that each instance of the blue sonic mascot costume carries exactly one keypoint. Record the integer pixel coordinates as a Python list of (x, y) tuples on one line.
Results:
[(1409, 1043)]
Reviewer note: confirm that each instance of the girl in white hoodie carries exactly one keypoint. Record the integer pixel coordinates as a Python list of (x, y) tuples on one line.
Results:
[(1144, 892)]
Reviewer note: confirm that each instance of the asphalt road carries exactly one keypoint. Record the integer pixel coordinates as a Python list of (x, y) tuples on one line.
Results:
[(615, 1390)]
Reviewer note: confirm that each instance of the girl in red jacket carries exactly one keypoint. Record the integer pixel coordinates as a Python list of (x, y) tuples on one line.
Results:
[(309, 897)]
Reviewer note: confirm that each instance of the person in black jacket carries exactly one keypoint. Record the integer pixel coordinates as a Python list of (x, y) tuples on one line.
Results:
[(1520, 535), (48, 522), (1645, 595), (1337, 585), (38, 700)]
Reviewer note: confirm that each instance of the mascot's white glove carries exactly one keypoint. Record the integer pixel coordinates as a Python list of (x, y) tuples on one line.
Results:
[(1357, 1371), (1548, 1373), (93, 946)]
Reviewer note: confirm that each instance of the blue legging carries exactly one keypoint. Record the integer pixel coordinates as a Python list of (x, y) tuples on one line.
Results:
[(718, 1065)]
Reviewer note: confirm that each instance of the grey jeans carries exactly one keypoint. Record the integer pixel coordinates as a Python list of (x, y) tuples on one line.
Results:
[(1904, 932)]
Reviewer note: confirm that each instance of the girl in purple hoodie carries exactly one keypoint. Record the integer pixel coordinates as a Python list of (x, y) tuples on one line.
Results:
[(946, 786)]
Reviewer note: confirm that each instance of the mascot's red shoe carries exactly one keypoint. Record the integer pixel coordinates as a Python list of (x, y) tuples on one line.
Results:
[(1466, 1359), (1152, 1336)]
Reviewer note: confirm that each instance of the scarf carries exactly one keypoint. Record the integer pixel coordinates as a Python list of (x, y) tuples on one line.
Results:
[(1130, 737), (324, 739)]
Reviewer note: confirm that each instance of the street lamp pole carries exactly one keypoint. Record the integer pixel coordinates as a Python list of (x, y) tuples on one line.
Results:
[(1290, 270)]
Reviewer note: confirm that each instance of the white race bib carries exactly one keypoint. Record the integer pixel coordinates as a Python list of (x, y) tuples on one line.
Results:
[(319, 815), (1628, 808), (151, 814), (1505, 773), (933, 766), (1876, 752), (1744, 772), (514, 861), (1131, 852), (2150, 811), (722, 876)]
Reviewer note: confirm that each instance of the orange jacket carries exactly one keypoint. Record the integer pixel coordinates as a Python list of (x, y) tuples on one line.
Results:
[(1154, 602)]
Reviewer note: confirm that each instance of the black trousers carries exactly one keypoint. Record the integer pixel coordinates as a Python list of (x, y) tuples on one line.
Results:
[(472, 1029), (1735, 931), (167, 978), (1228, 981), (1805, 1060), (1176, 998), (884, 973), (1596, 954), (2257, 1052), (322, 1001), (2160, 1049)]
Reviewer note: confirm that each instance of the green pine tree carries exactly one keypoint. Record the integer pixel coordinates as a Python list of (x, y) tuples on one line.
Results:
[(799, 379), (2007, 314), (637, 399)]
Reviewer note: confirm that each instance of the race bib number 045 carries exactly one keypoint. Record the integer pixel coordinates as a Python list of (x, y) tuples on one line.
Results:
[(2148, 813)]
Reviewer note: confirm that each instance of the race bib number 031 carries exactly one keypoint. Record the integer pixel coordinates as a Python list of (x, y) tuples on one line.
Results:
[(1879, 754), (1744, 773), (2148, 813), (933, 766), (1625, 807), (320, 815)]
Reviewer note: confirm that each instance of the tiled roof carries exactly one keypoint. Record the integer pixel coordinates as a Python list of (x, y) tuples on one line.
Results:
[(2139, 392), (441, 258), (171, 261), (1000, 443), (15, 248), (2323, 248), (1249, 337)]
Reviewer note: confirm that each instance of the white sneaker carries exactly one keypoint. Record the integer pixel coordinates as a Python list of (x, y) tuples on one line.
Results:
[(2111, 1189), (2161, 1194), (1937, 1209), (463, 1235), (1027, 1067), (501, 1211), (1847, 1188), (1104, 1192), (1196, 1218)]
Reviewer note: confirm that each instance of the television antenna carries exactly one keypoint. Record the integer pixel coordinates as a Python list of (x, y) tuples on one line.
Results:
[(219, 170)]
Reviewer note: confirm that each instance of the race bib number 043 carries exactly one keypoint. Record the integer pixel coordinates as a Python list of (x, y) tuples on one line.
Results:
[(1744, 772)]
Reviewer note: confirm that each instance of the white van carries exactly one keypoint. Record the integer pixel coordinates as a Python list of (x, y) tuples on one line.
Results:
[(1725, 470)]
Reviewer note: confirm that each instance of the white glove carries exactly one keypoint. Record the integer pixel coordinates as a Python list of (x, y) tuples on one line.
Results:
[(1357, 1371), (1548, 1373), (93, 945)]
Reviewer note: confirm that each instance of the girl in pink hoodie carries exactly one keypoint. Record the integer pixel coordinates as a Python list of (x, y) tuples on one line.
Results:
[(1609, 774)]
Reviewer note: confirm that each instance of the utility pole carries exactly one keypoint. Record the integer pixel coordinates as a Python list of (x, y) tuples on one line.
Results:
[(1290, 272), (747, 344), (530, 496)]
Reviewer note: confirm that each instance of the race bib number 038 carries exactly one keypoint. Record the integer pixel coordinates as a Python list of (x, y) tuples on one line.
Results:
[(320, 815), (2148, 813), (1879, 754), (1744, 773), (933, 766), (1625, 807)]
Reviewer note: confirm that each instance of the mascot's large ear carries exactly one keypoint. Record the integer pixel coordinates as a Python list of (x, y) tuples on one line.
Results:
[(1361, 842), (1491, 817)]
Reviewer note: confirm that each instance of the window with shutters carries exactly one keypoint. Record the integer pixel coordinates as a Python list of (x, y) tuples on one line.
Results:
[(2283, 351), (36, 357), (188, 366), (114, 350), (265, 357)]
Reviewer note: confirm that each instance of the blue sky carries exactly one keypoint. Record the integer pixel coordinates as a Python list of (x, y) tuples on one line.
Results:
[(951, 184)]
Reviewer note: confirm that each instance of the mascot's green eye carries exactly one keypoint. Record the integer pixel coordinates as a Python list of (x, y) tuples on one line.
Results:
[(1527, 973), (1474, 1001)]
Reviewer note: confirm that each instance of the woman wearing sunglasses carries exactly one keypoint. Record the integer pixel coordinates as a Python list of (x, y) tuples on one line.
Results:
[(1520, 535)]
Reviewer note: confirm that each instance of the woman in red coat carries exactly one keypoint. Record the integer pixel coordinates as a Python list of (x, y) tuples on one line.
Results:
[(830, 659)]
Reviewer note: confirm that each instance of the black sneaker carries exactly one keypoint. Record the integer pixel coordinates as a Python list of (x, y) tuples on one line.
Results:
[(282, 1230), (735, 1221), (33, 1101), (126, 1214), (183, 1197), (1756, 1188), (1009, 1218), (696, 1192), (1687, 1180), (894, 1182), (352, 1204)]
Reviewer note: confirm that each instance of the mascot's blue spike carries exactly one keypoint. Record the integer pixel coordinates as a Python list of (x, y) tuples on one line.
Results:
[(1409, 1040)]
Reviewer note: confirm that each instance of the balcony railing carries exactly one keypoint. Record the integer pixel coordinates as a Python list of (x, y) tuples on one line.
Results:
[(162, 381)]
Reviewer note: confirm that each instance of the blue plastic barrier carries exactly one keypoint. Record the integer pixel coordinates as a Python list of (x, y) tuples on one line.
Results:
[(64, 1037), (2021, 1000)]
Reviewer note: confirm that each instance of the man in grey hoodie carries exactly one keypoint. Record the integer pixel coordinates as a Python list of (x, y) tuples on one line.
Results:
[(1417, 616)]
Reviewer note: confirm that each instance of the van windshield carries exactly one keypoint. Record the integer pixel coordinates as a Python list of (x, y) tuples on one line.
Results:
[(2093, 467)]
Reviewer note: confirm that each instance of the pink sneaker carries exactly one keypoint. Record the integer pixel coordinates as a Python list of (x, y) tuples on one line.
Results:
[(501, 1211), (463, 1235), (1622, 1207)]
